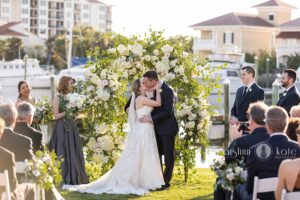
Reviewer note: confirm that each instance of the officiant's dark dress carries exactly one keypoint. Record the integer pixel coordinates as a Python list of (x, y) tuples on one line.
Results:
[(65, 141)]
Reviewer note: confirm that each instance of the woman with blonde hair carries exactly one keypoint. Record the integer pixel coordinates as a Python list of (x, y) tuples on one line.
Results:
[(65, 139)]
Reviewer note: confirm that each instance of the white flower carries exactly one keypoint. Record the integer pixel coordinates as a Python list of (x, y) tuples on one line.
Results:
[(106, 143), (156, 52), (111, 50), (238, 170), (170, 76), (121, 49), (167, 49), (92, 144), (192, 117), (199, 126), (190, 125), (104, 83), (103, 94), (222, 161), (36, 173), (46, 159), (102, 128), (114, 128), (137, 49), (179, 70), (147, 58), (185, 54), (230, 176)]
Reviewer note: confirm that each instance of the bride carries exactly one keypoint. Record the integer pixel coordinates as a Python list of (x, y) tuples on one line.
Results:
[(138, 170)]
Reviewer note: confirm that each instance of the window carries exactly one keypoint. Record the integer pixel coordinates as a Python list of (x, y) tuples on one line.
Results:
[(85, 15), (69, 5), (5, 1), (102, 8), (5, 9), (232, 74), (43, 22), (102, 17), (24, 1), (43, 12), (69, 14), (85, 7), (25, 20), (228, 38), (43, 3), (24, 11), (271, 17), (43, 31)]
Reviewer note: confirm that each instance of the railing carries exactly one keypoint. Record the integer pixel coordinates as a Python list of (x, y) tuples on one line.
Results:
[(203, 44)]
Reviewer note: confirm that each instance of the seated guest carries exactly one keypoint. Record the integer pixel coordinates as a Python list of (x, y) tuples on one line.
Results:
[(25, 117), (239, 148), (295, 111), (288, 177), (20, 145), (291, 129), (265, 157), (7, 162)]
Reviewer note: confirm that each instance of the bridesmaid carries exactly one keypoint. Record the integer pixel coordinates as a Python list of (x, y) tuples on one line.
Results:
[(65, 139), (24, 90)]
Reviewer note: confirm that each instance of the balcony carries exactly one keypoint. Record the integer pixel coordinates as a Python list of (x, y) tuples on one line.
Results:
[(287, 47), (203, 44)]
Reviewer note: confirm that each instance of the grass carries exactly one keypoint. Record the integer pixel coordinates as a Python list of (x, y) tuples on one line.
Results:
[(199, 188)]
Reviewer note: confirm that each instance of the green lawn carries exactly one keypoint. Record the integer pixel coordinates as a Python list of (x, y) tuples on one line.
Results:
[(201, 187)]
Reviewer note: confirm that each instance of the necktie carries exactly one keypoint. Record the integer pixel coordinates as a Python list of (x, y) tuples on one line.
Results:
[(245, 90)]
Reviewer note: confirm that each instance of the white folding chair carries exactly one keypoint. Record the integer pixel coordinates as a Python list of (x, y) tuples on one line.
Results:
[(263, 185), (4, 181), (20, 168), (290, 195)]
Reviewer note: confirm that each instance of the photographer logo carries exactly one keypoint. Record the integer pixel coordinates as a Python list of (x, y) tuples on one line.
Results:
[(263, 152)]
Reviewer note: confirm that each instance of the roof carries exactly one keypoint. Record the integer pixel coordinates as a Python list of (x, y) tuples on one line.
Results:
[(295, 34), (95, 1), (292, 23), (5, 30), (274, 3), (235, 19)]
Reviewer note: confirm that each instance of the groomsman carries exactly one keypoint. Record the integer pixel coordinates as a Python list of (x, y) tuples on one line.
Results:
[(247, 94), (290, 96)]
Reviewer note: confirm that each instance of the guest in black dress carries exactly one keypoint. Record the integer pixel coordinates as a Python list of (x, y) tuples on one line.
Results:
[(65, 139)]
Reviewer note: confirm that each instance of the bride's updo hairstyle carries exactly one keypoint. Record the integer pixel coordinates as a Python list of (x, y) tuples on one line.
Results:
[(136, 87)]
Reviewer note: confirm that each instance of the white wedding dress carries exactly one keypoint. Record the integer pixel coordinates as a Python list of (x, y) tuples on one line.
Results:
[(138, 169)]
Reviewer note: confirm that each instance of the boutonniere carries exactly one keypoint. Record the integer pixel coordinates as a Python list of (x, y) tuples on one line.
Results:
[(249, 90), (284, 94), (160, 90)]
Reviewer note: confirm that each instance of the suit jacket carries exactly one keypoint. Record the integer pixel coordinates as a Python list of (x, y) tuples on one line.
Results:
[(281, 148), (36, 136), (291, 99), (163, 117), (7, 162), (242, 102), (20, 145), (240, 148)]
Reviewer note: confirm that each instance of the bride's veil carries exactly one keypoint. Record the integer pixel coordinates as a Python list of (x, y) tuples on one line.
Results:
[(131, 115)]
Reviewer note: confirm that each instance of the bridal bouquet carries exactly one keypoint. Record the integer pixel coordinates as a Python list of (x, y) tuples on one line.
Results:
[(72, 103), (43, 111), (229, 175), (44, 169)]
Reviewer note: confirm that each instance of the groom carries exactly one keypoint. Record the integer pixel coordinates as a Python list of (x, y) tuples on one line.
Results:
[(165, 124)]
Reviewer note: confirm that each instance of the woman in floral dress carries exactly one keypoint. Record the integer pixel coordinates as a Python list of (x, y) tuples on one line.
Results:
[(65, 139)]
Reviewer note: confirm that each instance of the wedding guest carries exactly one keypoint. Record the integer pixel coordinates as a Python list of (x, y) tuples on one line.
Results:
[(295, 111), (288, 177), (291, 128), (290, 96), (7, 162), (20, 145), (65, 139), (265, 158), (239, 148), (247, 94), (24, 95), (24, 120)]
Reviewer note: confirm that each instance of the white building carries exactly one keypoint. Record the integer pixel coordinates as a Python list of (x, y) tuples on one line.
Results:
[(47, 18)]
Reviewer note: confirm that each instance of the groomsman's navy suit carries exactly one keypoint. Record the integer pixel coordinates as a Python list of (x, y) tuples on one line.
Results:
[(289, 99), (281, 148), (244, 99), (166, 128)]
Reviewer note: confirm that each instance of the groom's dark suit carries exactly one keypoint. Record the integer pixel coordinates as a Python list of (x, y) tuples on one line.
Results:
[(166, 128)]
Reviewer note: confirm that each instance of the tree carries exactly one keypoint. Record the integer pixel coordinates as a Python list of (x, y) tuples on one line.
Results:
[(262, 60), (186, 42), (294, 61)]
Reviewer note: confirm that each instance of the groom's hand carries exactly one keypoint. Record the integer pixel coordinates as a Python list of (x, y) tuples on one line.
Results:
[(145, 119)]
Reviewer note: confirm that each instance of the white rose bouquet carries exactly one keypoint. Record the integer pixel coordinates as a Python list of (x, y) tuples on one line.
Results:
[(72, 103)]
